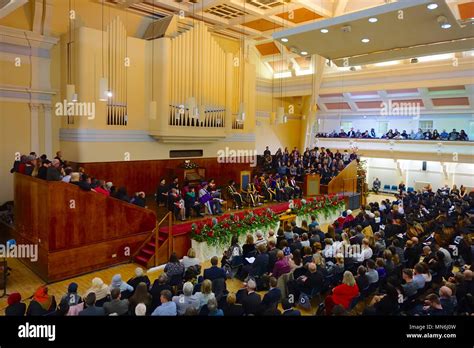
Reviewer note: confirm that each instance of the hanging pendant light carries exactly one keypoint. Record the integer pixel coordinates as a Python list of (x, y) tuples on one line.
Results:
[(71, 95), (241, 114), (153, 104)]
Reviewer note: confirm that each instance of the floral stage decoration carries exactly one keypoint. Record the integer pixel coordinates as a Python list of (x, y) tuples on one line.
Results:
[(211, 238)]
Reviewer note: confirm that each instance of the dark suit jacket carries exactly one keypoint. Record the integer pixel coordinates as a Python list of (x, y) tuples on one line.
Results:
[(214, 273), (260, 265), (116, 306), (92, 311), (250, 302), (53, 174), (272, 296)]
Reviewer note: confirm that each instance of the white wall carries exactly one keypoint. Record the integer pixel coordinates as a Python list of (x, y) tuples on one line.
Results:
[(392, 172), (328, 123)]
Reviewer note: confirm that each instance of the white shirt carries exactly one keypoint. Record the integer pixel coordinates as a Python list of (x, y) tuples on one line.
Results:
[(66, 178), (365, 254)]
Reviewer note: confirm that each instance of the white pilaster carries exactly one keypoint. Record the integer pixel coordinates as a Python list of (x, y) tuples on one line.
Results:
[(34, 127), (48, 131)]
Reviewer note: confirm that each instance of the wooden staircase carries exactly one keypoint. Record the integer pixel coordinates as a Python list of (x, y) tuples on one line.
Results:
[(157, 247)]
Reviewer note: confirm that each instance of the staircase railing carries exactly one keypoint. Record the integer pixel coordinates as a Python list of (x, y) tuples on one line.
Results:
[(156, 233)]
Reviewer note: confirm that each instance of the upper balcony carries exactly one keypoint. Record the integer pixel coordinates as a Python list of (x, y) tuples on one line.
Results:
[(433, 150)]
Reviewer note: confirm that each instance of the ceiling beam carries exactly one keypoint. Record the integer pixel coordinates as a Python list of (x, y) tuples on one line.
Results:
[(339, 7)]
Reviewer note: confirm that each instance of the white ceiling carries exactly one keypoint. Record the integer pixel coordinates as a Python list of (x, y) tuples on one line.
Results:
[(404, 29)]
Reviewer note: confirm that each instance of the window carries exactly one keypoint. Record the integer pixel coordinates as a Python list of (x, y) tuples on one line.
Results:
[(346, 125), (382, 127), (426, 125)]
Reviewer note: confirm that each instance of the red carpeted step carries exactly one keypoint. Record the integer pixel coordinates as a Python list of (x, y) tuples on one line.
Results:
[(147, 251), (141, 260)]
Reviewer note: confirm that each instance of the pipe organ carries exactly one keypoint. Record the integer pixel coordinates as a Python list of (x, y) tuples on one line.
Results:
[(198, 70), (116, 72)]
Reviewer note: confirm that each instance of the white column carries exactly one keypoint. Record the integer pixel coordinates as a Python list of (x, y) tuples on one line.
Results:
[(34, 127), (48, 131)]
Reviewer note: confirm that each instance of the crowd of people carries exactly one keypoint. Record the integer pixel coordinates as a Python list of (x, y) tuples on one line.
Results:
[(58, 169), (295, 165), (396, 134), (408, 256)]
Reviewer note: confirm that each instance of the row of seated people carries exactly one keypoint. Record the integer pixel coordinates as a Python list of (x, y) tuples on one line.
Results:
[(320, 161), (395, 134), (182, 201), (58, 170)]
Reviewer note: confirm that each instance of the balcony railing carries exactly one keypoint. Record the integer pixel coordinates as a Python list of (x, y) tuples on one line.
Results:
[(433, 150)]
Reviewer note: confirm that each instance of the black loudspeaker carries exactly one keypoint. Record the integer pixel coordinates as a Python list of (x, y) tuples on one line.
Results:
[(424, 165)]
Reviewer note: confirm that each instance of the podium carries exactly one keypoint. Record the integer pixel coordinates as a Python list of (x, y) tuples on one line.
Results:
[(311, 185)]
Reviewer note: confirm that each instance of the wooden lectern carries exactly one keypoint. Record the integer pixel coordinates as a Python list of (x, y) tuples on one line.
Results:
[(311, 185)]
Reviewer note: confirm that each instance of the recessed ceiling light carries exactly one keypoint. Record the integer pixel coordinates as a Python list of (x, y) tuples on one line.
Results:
[(304, 53), (284, 39), (324, 31), (443, 22), (373, 20), (365, 40), (432, 6)]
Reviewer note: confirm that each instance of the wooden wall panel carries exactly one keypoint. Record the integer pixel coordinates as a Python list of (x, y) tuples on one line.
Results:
[(71, 262), (80, 239), (145, 175), (345, 181)]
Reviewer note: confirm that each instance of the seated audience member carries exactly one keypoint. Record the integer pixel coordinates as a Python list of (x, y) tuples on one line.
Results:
[(67, 175), (141, 295), (139, 277), (117, 282), (273, 296), (409, 287), (159, 285), (205, 294), (231, 308), (53, 172), (139, 199), (190, 260), (100, 289), (260, 240), (250, 300), (116, 304), (361, 279), (42, 303), (191, 203), (91, 309), (248, 249), (418, 278), (213, 309), (186, 299), (288, 309), (372, 275), (235, 195), (214, 272), (15, 308), (281, 265), (313, 223), (140, 310), (260, 265), (167, 307), (72, 297), (174, 268), (432, 306), (342, 294)]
